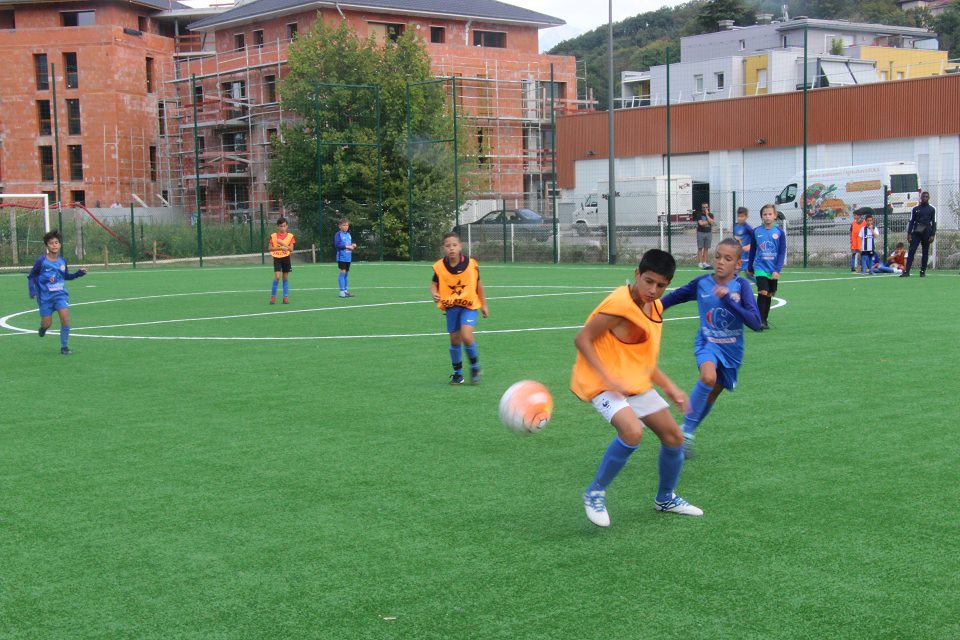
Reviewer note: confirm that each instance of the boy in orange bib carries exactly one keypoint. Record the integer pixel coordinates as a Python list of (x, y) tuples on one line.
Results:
[(616, 370), (280, 247)]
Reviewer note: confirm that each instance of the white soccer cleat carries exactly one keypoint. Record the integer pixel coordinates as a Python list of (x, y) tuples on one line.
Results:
[(595, 504), (676, 504)]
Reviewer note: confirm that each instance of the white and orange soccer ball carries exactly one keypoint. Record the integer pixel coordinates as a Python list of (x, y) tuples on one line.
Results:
[(526, 407)]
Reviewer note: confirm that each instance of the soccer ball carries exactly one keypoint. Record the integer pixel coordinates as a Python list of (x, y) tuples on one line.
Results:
[(526, 406)]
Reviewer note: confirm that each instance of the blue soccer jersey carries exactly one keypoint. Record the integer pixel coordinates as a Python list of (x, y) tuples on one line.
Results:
[(744, 235), (47, 278), (769, 250), (342, 240), (721, 319)]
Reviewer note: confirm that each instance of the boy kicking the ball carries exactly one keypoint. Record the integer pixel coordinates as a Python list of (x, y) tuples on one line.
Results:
[(458, 292), (616, 370), (46, 283), (725, 302)]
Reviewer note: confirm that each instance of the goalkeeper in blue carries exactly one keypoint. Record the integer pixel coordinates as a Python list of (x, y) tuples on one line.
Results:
[(46, 284), (725, 301)]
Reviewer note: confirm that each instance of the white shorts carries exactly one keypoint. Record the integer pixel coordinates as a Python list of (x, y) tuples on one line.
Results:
[(609, 403)]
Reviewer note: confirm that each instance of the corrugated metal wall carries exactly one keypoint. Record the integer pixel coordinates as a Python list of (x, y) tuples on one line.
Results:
[(907, 108)]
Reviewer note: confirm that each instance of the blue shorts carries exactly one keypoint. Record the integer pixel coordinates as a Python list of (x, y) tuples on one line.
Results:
[(459, 316), (726, 376), (49, 304)]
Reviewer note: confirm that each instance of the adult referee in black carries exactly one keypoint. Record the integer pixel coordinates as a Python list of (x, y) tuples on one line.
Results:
[(920, 231)]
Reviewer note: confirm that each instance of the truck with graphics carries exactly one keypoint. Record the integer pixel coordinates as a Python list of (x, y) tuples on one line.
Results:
[(833, 195)]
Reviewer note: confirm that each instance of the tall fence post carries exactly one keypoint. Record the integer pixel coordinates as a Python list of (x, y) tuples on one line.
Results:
[(886, 218), (133, 238), (263, 230)]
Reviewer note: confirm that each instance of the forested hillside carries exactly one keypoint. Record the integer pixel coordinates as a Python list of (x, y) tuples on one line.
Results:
[(642, 41)]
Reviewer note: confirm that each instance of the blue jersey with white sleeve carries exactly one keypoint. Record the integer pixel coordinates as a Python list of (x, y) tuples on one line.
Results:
[(769, 250), (721, 319), (341, 240), (46, 278)]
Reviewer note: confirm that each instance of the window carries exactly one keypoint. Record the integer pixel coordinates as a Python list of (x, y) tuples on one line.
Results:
[(73, 116), (761, 79), (73, 73), (75, 155), (496, 39), (235, 142), (291, 31), (79, 197), (202, 197), (51, 196), (271, 136), (8, 19), (783, 42), (743, 45), (382, 31), (198, 95), (883, 75), (149, 75), (77, 18), (719, 75), (42, 71), (698, 83), (161, 117), (481, 147), (201, 144), (153, 164), (269, 88), (258, 39), (438, 35), (899, 75), (239, 42), (43, 117), (143, 23), (46, 165), (904, 183)]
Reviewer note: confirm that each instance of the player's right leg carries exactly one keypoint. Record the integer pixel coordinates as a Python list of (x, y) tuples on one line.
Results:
[(618, 412), (670, 463), (63, 310), (45, 322), (456, 341), (273, 287)]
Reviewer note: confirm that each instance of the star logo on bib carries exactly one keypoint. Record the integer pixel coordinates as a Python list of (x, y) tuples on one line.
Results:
[(457, 289)]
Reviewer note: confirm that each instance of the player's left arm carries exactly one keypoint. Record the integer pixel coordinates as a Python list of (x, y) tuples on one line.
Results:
[(744, 306), (675, 393), (482, 297), (781, 255), (72, 276)]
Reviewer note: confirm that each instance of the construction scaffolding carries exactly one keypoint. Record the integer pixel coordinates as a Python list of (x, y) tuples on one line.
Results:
[(506, 104)]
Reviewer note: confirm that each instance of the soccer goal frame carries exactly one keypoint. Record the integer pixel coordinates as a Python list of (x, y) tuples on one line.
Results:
[(46, 204)]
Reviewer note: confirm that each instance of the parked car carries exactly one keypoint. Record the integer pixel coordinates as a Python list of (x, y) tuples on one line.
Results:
[(513, 216)]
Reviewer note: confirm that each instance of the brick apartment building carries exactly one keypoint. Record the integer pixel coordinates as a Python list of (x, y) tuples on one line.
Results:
[(125, 109), (104, 62)]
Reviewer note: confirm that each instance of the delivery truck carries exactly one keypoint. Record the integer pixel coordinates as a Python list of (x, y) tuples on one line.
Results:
[(833, 195), (641, 203)]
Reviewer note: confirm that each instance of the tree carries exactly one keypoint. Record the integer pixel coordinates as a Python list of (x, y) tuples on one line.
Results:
[(330, 89), (947, 26), (713, 11)]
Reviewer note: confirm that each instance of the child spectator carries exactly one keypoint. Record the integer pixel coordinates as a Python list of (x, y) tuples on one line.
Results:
[(855, 227), (868, 240)]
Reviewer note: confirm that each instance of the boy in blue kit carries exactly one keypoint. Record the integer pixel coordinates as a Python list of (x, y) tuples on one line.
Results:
[(767, 255), (743, 232), (726, 304), (345, 246), (45, 282), (458, 292)]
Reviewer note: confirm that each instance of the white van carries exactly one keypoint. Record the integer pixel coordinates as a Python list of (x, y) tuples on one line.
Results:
[(834, 194), (641, 203)]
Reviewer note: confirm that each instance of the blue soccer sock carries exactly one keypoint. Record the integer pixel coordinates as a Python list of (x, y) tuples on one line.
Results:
[(286, 288), (346, 280), (273, 289), (342, 281), (699, 407), (670, 463), (472, 354), (64, 335), (613, 460), (456, 359)]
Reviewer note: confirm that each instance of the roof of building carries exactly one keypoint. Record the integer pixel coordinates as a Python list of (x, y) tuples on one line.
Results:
[(153, 4), (844, 25), (487, 10)]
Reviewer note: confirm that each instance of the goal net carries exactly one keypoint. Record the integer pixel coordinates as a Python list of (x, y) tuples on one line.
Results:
[(24, 218)]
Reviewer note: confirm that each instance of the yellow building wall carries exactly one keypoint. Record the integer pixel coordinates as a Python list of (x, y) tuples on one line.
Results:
[(902, 64), (751, 68)]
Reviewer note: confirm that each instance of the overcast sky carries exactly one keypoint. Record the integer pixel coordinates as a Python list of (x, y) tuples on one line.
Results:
[(583, 15)]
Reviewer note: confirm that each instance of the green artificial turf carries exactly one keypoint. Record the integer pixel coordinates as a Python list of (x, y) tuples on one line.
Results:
[(189, 484)]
